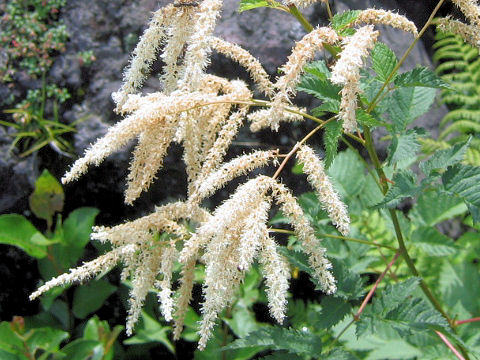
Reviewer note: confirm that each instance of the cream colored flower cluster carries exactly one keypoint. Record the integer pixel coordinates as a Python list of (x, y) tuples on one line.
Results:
[(346, 72), (384, 17), (469, 32), (203, 113)]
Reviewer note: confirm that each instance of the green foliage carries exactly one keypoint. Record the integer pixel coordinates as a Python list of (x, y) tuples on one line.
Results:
[(458, 64), (341, 22), (32, 130), (384, 61), (31, 34), (294, 341)]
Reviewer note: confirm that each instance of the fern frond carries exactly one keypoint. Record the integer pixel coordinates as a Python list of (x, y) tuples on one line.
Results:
[(462, 126), (472, 157), (461, 115)]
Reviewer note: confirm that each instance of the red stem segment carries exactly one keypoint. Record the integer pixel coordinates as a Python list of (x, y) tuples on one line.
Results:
[(450, 346)]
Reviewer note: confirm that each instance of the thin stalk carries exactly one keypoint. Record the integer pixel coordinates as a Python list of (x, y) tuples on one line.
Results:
[(329, 11), (460, 322), (356, 317), (405, 55), (345, 238), (449, 345), (398, 232), (299, 16), (297, 146)]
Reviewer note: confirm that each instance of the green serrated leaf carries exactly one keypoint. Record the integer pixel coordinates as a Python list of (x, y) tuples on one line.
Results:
[(404, 186), (334, 310), (433, 242), (393, 295), (331, 106), (318, 69), (384, 61), (16, 230), (441, 159), (340, 21), (347, 173), (403, 147), (298, 342), (366, 119), (464, 181), (350, 285), (460, 284), (47, 198), (421, 77), (321, 89), (333, 132), (408, 103), (435, 206)]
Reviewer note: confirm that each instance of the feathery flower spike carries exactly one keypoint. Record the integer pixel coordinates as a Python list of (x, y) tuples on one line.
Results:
[(384, 17), (346, 72), (329, 198)]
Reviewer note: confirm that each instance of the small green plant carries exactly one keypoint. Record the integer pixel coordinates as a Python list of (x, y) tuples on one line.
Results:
[(32, 130), (31, 35), (56, 249)]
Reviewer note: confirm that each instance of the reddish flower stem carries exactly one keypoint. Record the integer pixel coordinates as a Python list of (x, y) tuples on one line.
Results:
[(460, 322), (372, 290), (450, 346)]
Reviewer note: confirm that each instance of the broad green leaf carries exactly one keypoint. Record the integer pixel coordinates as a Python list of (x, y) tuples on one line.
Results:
[(76, 231), (78, 226), (47, 198), (9, 341), (344, 19), (403, 147), (151, 331), (90, 297), (408, 103), (46, 339), (18, 231), (333, 132), (347, 173), (404, 186), (4, 355), (421, 77), (82, 349), (433, 242), (294, 341), (441, 159), (384, 61), (464, 181), (433, 207), (253, 4)]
